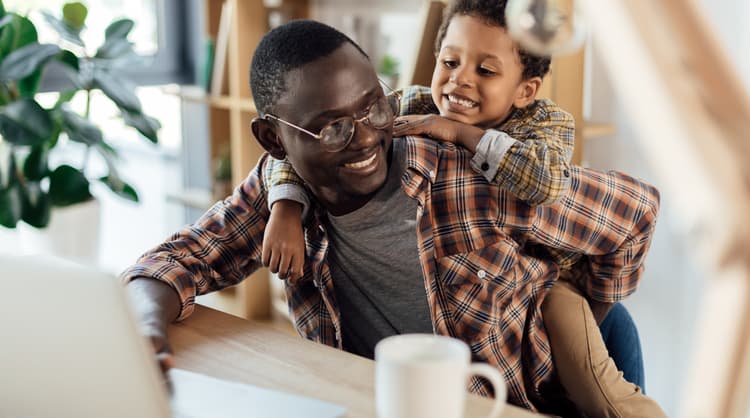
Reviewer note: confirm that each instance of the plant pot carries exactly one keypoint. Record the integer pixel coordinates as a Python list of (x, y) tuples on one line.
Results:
[(72, 233)]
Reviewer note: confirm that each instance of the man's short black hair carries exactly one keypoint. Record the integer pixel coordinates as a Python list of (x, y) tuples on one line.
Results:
[(491, 12), (284, 49)]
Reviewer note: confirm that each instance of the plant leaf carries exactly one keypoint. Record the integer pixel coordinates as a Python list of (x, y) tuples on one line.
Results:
[(74, 15), (2, 8), (25, 60), (6, 17), (29, 86), (146, 125), (24, 122), (20, 32), (35, 206), (64, 97), (119, 91), (10, 206), (62, 29), (79, 129), (120, 188), (68, 186), (114, 48), (68, 58), (35, 166), (118, 29)]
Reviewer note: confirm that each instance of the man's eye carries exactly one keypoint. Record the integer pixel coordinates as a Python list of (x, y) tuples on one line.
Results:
[(450, 63)]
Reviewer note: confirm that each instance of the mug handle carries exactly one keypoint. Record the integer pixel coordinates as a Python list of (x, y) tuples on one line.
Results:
[(498, 384)]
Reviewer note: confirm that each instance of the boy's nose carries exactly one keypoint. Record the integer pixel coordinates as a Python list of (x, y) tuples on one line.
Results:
[(459, 78)]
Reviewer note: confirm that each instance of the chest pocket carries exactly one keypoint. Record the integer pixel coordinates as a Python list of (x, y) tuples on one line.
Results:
[(477, 286)]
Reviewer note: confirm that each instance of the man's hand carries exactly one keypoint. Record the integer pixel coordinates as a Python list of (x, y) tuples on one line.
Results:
[(156, 305), (439, 128), (284, 241), (600, 310)]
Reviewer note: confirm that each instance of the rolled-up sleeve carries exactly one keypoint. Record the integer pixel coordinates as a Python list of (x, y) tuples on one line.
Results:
[(609, 218), (219, 250)]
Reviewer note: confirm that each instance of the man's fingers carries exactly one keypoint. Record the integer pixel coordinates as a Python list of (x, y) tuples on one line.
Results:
[(166, 361)]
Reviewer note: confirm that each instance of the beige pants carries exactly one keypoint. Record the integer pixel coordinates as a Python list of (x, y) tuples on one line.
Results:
[(587, 372)]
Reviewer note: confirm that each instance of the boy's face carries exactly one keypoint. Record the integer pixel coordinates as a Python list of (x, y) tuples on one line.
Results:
[(478, 74)]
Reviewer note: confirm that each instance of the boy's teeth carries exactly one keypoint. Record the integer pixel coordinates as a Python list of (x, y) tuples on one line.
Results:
[(361, 164), (462, 102)]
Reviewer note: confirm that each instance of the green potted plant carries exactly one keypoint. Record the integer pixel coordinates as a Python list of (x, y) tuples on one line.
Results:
[(29, 186), (388, 70)]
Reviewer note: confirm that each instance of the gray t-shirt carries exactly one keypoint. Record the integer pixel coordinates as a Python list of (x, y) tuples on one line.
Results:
[(375, 266)]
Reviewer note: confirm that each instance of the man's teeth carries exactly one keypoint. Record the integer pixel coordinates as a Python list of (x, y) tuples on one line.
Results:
[(361, 164), (460, 101)]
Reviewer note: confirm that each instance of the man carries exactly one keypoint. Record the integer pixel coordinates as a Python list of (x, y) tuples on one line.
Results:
[(462, 269)]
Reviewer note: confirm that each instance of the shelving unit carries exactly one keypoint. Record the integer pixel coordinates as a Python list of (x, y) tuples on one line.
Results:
[(230, 112)]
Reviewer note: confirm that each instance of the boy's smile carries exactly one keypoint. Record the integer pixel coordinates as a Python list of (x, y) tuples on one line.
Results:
[(478, 74)]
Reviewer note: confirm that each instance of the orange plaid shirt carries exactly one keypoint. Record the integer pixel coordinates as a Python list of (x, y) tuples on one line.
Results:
[(483, 287)]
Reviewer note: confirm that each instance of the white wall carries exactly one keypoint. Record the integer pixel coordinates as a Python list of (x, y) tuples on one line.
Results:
[(666, 304)]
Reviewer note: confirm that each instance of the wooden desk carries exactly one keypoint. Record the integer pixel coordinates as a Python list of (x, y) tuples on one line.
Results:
[(227, 347)]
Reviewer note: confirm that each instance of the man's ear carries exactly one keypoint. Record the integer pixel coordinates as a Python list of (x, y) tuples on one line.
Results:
[(265, 133), (526, 92)]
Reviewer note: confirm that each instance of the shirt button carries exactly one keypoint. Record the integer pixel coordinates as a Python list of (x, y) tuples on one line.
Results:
[(481, 274), (566, 173), (485, 166), (432, 173)]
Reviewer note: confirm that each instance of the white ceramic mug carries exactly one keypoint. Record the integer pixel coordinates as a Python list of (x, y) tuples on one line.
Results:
[(426, 376)]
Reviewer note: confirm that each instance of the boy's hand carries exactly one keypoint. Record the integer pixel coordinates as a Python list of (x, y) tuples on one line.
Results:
[(439, 128), (284, 241)]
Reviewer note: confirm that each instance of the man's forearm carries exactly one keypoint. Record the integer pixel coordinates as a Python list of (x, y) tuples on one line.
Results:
[(155, 303)]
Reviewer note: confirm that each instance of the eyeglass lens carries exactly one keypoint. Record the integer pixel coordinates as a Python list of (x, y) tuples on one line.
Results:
[(336, 135)]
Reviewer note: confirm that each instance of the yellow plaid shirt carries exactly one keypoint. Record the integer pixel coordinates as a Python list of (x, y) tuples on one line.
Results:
[(534, 168), (482, 285)]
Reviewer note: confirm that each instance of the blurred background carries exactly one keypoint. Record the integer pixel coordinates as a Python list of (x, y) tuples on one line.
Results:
[(205, 146)]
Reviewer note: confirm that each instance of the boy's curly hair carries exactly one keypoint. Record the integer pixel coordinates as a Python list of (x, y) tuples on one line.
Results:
[(491, 12)]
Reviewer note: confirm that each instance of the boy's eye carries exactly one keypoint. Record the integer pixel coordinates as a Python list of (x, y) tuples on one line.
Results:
[(486, 71), (450, 63)]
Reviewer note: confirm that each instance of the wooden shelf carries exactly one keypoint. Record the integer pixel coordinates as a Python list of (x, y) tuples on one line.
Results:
[(598, 130), (230, 113), (199, 95), (193, 198)]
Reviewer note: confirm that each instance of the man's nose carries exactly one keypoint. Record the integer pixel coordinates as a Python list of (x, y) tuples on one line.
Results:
[(365, 135)]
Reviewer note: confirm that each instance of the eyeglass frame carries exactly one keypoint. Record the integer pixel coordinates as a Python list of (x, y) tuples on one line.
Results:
[(363, 119)]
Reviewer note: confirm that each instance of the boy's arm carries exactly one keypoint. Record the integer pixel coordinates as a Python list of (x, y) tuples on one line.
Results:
[(285, 184), (530, 153), (219, 250), (608, 217)]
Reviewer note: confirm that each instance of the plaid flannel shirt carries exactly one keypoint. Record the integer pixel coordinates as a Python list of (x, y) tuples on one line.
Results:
[(534, 168), (482, 285)]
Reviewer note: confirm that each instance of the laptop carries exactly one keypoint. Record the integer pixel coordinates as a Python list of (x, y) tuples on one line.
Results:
[(69, 347)]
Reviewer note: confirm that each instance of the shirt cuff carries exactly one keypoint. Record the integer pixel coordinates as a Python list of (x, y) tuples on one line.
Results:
[(289, 192), (490, 151)]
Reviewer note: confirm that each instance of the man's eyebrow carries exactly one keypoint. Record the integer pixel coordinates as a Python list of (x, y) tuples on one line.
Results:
[(334, 113)]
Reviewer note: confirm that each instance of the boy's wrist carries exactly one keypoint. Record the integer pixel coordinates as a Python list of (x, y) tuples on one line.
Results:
[(468, 136), (287, 207)]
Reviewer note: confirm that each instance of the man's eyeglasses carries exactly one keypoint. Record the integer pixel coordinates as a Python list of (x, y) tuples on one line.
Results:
[(337, 134)]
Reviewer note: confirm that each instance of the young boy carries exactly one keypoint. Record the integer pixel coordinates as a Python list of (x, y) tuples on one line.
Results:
[(484, 90)]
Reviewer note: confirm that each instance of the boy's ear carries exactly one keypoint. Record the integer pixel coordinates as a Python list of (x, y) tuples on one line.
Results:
[(526, 92), (265, 133)]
